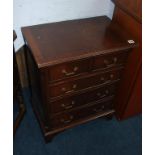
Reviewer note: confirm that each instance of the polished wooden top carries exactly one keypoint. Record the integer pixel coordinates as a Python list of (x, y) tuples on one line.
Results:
[(70, 40)]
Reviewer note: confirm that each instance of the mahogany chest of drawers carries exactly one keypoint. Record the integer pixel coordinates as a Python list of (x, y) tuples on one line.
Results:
[(74, 70)]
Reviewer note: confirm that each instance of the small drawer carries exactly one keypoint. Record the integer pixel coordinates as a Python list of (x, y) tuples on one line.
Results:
[(70, 87), (110, 60), (75, 101), (66, 70), (70, 117)]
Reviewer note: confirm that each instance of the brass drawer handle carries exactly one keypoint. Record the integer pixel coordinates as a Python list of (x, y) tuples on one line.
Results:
[(101, 96), (70, 73), (112, 64), (109, 80), (68, 120), (104, 95), (102, 78), (99, 109), (69, 91), (68, 106), (111, 76), (115, 59)]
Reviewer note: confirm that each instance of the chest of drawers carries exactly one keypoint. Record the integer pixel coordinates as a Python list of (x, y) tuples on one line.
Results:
[(74, 70)]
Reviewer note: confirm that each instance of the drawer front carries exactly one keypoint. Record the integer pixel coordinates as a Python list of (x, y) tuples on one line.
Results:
[(66, 70), (109, 60), (70, 117), (75, 101), (70, 87)]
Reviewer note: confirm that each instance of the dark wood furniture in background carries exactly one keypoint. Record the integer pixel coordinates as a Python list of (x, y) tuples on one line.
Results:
[(74, 69), (17, 91), (128, 15)]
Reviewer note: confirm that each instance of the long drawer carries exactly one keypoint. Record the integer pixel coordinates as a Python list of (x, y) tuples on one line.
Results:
[(73, 86), (74, 101), (73, 116)]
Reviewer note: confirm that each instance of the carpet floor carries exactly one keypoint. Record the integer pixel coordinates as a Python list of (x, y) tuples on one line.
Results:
[(98, 137)]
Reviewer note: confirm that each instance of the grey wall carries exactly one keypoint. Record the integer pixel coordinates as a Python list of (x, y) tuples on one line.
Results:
[(32, 12)]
